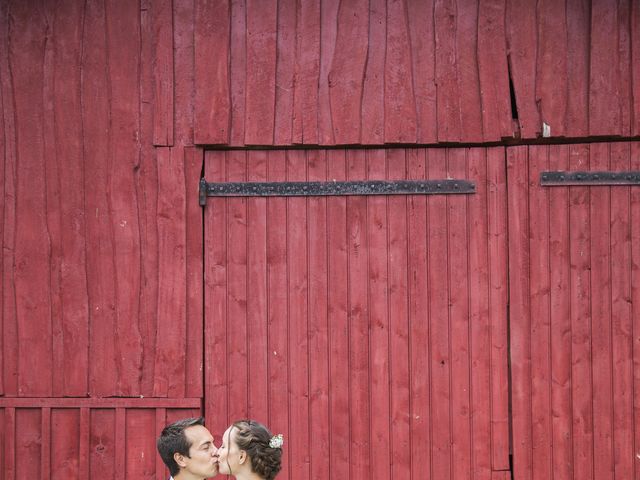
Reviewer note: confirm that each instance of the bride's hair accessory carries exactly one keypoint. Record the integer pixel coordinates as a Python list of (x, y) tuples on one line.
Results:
[(276, 441)]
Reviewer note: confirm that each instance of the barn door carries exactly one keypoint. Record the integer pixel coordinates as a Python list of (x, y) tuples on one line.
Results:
[(575, 294), (370, 331)]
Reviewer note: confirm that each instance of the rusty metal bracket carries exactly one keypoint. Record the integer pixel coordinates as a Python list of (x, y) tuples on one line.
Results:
[(563, 179), (309, 189)]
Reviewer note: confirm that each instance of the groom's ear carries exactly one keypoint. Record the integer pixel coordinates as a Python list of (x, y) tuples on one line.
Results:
[(179, 458)]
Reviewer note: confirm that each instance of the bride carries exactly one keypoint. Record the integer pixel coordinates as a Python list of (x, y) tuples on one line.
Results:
[(250, 452)]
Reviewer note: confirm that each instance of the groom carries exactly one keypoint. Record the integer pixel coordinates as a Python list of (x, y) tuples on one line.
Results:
[(187, 449)]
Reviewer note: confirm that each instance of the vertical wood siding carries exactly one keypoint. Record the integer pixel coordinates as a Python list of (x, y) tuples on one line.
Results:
[(574, 277), (370, 331)]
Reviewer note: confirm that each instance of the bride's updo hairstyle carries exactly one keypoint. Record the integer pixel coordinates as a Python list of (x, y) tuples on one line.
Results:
[(265, 452)]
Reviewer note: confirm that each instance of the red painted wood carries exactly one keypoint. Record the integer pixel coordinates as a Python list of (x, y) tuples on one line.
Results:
[(102, 444), (624, 66), (120, 443), (160, 423), (163, 72), (45, 443), (140, 443), (305, 118), (84, 443), (347, 71), (114, 402), (375, 233), (578, 25), (171, 335), (328, 33), (238, 71), (184, 68), (28, 444), (212, 90), (420, 18), (635, 68), (581, 379), (261, 36), (65, 447), (400, 122), (9, 450), (3, 146), (493, 70), (520, 333), (634, 206), (338, 319), (373, 89), (285, 74)]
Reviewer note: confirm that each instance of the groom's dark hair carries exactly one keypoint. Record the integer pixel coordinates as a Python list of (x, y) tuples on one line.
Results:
[(172, 440)]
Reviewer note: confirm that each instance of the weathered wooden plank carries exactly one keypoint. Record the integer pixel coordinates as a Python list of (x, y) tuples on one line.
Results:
[(328, 35), (493, 71), (9, 450), (238, 71), (420, 17), (338, 318), (318, 326), (635, 67), (102, 446), (84, 443), (3, 144), (28, 445), (398, 287), (160, 422), (163, 72), (45, 443), (578, 35), (604, 82), (258, 388), (498, 301), (195, 271), (372, 112), (184, 71), (298, 309), (560, 317), (446, 72), (212, 90), (458, 311), (120, 443), (539, 313), (400, 118), (97, 402), (285, 74), (305, 118), (600, 303), (376, 231), (522, 46), (347, 71), (65, 445), (635, 295), (171, 331), (439, 325), (580, 261), (621, 320), (520, 333), (551, 65), (418, 312), (261, 38), (360, 413), (237, 290), (140, 440), (624, 67), (32, 250)]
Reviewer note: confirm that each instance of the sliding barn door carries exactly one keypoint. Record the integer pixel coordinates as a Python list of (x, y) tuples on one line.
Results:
[(370, 330)]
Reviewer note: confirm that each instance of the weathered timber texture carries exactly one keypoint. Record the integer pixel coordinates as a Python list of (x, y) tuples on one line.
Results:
[(378, 323)]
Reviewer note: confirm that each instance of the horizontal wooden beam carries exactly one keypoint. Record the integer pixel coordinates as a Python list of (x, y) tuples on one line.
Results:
[(119, 402)]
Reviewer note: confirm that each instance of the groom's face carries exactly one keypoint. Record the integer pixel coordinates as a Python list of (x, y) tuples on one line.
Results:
[(202, 461)]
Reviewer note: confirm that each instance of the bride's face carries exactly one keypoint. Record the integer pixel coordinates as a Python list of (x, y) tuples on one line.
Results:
[(230, 457)]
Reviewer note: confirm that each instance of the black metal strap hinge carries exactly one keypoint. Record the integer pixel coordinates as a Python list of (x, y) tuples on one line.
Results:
[(563, 179), (308, 189)]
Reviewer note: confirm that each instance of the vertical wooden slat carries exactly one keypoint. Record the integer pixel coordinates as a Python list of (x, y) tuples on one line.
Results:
[(578, 35), (45, 444), (65, 444), (285, 73), (539, 311), (377, 336), (278, 300), (359, 322), (560, 319), (319, 379), (238, 71), (347, 71), (261, 38), (458, 287), (171, 335), (372, 112), (439, 327), (140, 449), (163, 72), (237, 290), (297, 272), (29, 443), (581, 379), (120, 443), (625, 99), (493, 70), (195, 273), (635, 67), (32, 242), (161, 422), (635, 301), (215, 307), (212, 91), (420, 17), (551, 65), (398, 287), (305, 120), (257, 347), (184, 71), (600, 303), (498, 305), (520, 333), (328, 35), (84, 443), (102, 460), (480, 351), (9, 453), (621, 320), (338, 278)]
